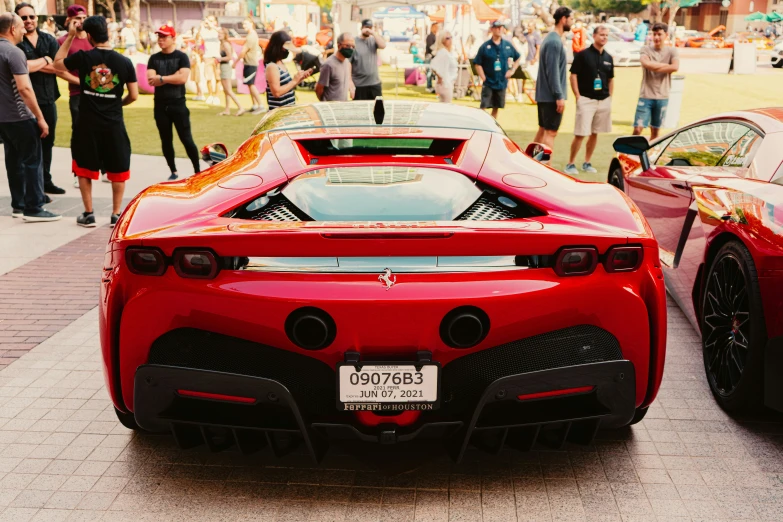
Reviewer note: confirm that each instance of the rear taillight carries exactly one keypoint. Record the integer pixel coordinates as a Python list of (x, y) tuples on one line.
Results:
[(573, 261), (198, 264), (623, 259), (145, 261)]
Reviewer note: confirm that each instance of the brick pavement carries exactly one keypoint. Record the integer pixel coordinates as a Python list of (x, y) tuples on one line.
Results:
[(64, 456), (41, 297)]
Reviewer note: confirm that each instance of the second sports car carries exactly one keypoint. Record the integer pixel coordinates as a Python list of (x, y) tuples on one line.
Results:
[(713, 194)]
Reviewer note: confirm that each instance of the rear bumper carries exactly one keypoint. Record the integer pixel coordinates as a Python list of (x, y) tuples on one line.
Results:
[(270, 415)]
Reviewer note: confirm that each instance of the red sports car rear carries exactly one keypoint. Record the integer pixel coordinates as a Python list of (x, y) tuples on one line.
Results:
[(383, 273)]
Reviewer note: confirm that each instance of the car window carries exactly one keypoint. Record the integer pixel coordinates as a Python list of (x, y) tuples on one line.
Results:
[(655, 151), (741, 153), (702, 145)]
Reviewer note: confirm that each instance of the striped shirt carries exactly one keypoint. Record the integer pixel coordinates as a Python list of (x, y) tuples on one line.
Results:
[(285, 100), (12, 62)]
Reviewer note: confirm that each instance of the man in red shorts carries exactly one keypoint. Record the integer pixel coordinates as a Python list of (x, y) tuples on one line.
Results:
[(102, 140)]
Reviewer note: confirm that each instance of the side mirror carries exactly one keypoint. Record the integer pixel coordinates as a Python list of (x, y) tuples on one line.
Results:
[(214, 153), (538, 151), (634, 146)]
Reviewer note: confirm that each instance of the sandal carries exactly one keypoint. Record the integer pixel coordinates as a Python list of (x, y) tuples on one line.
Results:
[(240, 112), (224, 113)]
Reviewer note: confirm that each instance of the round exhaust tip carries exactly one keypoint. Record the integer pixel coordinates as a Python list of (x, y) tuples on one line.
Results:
[(310, 328), (464, 327)]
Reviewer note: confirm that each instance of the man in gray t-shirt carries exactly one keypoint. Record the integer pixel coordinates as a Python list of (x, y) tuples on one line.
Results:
[(21, 125), (334, 80), (364, 63), (659, 61)]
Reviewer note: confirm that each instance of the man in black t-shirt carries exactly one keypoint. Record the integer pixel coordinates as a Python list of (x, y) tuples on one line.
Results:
[(39, 49), (592, 80), (102, 140), (168, 71)]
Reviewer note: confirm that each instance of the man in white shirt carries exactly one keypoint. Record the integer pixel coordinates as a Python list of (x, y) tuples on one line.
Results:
[(128, 37)]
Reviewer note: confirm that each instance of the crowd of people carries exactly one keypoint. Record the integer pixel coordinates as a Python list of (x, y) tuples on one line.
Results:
[(101, 81)]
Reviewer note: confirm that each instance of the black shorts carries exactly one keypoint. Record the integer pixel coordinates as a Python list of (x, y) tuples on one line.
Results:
[(249, 74), (101, 146), (368, 92), (548, 117), (492, 98)]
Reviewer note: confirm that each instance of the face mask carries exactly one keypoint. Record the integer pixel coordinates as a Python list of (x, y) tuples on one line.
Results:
[(346, 52)]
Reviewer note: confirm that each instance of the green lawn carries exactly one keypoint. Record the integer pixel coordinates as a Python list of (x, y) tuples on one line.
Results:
[(704, 95)]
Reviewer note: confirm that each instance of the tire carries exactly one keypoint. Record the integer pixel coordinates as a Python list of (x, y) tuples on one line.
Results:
[(733, 330), (778, 65), (127, 420), (616, 177), (638, 416)]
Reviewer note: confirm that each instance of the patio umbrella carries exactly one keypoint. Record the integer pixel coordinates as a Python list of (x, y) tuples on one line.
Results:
[(758, 16), (774, 16)]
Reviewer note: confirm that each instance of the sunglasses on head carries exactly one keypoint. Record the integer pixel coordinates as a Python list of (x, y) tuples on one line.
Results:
[(28, 17)]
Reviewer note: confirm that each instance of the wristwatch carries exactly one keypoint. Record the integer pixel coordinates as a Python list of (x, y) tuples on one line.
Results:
[(160, 78)]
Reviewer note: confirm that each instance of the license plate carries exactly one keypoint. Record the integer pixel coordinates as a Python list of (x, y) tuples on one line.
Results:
[(388, 387)]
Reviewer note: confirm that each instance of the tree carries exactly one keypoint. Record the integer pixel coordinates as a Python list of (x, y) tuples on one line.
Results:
[(609, 6), (109, 6)]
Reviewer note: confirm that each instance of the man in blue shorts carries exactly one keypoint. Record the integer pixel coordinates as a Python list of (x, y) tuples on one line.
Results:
[(659, 61)]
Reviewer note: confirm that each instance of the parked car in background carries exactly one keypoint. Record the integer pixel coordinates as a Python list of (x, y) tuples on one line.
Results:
[(625, 54), (712, 192), (777, 55)]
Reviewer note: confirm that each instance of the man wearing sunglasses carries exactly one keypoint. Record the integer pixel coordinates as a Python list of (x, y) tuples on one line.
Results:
[(335, 82), (40, 49)]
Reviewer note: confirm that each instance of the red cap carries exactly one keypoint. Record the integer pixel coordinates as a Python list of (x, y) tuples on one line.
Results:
[(166, 30), (75, 10)]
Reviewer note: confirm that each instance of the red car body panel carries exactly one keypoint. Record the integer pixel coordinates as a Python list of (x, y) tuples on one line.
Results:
[(729, 203), (137, 309)]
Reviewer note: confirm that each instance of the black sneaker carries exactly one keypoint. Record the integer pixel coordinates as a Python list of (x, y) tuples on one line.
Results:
[(17, 213), (173, 176), (87, 219), (53, 189), (41, 216), (114, 219)]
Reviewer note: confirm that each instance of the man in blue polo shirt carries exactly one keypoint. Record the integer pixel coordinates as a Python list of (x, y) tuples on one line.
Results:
[(495, 63)]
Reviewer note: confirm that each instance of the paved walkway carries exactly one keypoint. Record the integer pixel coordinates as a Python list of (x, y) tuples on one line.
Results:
[(64, 456)]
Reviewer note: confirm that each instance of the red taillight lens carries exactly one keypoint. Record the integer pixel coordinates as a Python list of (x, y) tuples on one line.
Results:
[(198, 264), (145, 261), (623, 259), (576, 261)]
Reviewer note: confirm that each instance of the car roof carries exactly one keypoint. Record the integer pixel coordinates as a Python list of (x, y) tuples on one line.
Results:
[(768, 119), (357, 114)]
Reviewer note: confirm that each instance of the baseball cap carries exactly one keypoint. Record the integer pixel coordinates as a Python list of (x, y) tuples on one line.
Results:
[(75, 10), (498, 23), (166, 30), (367, 23)]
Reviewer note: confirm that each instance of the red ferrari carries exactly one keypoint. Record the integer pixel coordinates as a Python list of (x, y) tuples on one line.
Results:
[(381, 272), (713, 195)]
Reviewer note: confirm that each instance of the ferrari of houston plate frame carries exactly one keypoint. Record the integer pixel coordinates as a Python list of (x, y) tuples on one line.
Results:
[(388, 387)]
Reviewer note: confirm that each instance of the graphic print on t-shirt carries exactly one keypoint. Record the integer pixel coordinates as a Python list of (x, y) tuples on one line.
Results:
[(101, 79)]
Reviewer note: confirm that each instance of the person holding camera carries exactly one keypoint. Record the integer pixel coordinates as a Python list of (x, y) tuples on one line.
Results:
[(364, 63)]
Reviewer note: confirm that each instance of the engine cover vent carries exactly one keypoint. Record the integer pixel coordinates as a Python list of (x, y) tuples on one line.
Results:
[(485, 209), (277, 211)]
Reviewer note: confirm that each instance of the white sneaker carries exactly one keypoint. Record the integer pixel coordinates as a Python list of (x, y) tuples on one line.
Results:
[(519, 98), (197, 98), (258, 110), (216, 101), (105, 178), (75, 182)]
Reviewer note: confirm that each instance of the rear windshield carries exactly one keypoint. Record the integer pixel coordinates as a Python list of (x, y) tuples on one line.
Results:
[(387, 146), (382, 193)]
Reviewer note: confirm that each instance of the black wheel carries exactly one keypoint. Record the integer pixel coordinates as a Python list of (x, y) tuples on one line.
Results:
[(127, 420), (733, 330), (638, 416), (778, 65), (616, 177)]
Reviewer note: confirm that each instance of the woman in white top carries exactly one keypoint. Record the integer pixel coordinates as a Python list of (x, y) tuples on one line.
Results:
[(444, 65)]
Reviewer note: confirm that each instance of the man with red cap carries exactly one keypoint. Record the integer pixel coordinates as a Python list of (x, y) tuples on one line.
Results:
[(168, 71)]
